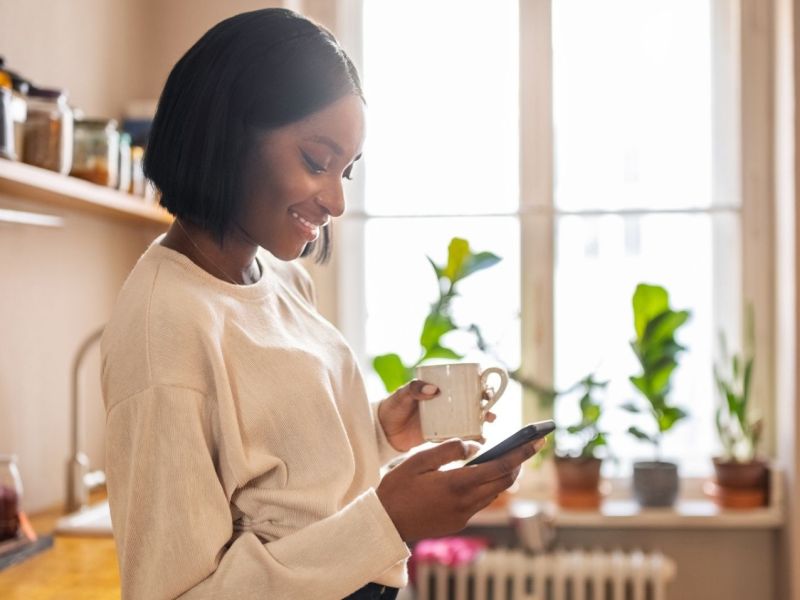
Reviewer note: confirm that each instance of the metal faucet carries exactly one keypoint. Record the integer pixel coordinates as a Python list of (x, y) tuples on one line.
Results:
[(79, 480)]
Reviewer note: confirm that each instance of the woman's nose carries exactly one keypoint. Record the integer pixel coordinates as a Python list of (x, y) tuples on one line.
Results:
[(332, 200)]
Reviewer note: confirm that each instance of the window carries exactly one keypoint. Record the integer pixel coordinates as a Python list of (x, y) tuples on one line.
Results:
[(636, 183)]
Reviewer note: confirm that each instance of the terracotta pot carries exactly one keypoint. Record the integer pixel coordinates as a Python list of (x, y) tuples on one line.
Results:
[(733, 474), (739, 485), (578, 482)]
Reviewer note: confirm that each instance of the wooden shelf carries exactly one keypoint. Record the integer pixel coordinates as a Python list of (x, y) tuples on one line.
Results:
[(40, 185)]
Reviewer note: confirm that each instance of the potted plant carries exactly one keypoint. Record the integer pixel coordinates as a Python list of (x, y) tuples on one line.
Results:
[(461, 263), (740, 475), (578, 472), (655, 483)]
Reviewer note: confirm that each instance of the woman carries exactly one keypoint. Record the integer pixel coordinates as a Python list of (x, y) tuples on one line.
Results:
[(242, 455)]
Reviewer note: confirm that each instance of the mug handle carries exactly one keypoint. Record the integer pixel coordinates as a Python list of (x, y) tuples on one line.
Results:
[(494, 395)]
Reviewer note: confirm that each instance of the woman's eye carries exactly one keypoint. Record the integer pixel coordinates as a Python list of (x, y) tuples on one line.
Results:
[(314, 166), (348, 173)]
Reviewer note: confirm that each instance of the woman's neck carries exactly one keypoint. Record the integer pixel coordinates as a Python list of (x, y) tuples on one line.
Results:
[(235, 263)]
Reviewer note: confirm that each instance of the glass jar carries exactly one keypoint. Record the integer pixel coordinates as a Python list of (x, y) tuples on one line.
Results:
[(10, 496), (48, 130), (96, 151)]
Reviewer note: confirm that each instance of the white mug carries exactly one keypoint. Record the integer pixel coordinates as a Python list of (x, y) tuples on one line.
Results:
[(463, 401)]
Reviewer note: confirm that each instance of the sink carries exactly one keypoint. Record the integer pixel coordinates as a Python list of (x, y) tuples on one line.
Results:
[(94, 520)]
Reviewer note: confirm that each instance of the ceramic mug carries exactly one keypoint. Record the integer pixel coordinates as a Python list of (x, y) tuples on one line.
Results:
[(463, 401)]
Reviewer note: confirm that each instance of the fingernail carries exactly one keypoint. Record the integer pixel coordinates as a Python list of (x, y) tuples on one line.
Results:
[(429, 389), (539, 444)]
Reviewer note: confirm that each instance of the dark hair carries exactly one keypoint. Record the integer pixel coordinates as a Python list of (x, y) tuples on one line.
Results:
[(248, 74)]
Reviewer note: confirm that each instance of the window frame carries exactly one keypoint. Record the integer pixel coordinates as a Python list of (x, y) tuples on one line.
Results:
[(743, 61)]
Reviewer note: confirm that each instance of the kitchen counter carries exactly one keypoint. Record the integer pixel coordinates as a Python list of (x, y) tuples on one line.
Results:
[(75, 568)]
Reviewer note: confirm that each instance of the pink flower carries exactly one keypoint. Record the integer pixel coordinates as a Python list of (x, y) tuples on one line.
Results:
[(449, 551)]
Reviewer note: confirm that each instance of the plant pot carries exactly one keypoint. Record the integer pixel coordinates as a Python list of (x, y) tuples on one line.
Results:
[(655, 484), (578, 482), (739, 484)]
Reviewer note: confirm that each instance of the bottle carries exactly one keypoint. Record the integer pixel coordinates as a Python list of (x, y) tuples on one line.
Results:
[(10, 496), (124, 162)]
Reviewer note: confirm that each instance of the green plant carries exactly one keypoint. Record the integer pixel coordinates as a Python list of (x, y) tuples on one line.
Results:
[(587, 431), (461, 263), (657, 351), (738, 432)]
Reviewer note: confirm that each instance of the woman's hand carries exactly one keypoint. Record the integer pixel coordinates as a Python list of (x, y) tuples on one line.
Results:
[(423, 501), (399, 414)]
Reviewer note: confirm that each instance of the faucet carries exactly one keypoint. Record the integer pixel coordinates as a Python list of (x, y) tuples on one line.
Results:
[(79, 480)]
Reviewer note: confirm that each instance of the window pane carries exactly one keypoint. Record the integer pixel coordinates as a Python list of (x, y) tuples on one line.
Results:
[(632, 103), (441, 82), (599, 262), (401, 286)]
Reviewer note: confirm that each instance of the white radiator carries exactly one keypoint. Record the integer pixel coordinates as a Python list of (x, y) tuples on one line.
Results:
[(575, 575)]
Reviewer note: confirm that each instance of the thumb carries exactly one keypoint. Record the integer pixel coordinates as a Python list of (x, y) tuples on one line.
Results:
[(433, 458)]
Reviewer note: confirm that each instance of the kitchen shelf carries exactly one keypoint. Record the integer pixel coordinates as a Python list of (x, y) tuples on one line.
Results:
[(27, 182)]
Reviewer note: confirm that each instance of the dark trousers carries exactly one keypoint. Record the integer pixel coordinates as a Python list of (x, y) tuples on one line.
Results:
[(374, 591)]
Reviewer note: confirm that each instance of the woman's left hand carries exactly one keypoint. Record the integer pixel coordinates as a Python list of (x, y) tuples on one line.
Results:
[(399, 414)]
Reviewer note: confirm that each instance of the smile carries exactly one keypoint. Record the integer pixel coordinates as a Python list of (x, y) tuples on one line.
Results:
[(309, 229)]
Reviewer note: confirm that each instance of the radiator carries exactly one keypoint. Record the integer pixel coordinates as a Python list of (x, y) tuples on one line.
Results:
[(573, 575)]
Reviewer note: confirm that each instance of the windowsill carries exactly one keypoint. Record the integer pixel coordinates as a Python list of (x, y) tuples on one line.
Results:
[(620, 511)]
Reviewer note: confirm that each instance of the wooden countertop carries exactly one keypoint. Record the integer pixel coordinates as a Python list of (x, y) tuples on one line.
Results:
[(75, 568)]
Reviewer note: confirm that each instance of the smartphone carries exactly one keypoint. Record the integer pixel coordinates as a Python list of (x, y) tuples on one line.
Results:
[(532, 431)]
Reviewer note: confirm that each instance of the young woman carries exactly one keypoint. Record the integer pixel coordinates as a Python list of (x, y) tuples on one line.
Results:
[(242, 455)]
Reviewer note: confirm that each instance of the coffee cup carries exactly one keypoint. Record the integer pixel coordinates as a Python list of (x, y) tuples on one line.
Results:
[(464, 398)]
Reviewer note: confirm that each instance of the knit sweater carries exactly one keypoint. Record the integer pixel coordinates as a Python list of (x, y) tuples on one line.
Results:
[(242, 454)]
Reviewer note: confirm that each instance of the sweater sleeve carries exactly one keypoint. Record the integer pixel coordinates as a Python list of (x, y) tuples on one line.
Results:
[(386, 452), (173, 524)]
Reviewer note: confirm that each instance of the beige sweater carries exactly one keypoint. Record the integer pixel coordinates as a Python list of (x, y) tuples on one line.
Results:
[(242, 454)]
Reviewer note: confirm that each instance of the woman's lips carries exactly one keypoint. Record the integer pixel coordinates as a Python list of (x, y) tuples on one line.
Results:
[(309, 230)]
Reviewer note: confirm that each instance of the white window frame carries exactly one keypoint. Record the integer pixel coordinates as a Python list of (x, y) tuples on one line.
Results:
[(743, 60)]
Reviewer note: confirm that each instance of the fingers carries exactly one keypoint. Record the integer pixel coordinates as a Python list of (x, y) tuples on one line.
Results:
[(490, 417), (446, 452), (501, 467), (416, 390), (484, 493)]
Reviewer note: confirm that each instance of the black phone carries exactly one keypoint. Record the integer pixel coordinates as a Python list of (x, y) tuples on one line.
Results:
[(531, 431)]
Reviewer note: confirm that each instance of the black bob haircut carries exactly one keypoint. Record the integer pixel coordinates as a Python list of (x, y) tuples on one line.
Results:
[(248, 74)]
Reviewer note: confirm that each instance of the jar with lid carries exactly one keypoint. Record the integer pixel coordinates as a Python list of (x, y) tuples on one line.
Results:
[(48, 130), (96, 151), (10, 496)]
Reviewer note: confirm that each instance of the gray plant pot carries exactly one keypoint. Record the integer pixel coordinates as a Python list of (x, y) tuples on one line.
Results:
[(655, 484)]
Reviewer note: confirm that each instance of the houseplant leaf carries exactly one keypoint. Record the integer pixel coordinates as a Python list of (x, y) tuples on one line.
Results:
[(392, 371), (457, 253), (648, 302), (435, 326)]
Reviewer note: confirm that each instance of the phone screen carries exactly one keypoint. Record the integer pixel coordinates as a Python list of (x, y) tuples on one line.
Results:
[(531, 431)]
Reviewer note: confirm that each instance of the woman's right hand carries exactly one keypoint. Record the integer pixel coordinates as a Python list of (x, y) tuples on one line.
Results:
[(423, 501)]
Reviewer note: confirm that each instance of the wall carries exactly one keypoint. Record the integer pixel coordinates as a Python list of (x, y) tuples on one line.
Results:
[(172, 27), (90, 47)]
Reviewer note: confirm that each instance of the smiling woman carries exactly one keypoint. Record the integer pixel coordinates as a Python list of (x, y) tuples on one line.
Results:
[(243, 457)]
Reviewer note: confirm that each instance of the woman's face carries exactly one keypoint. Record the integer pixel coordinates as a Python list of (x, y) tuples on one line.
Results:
[(294, 179)]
